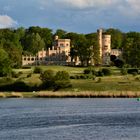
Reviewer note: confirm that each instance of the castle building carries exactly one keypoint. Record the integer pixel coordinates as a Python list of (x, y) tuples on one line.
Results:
[(40, 58), (59, 53), (105, 47)]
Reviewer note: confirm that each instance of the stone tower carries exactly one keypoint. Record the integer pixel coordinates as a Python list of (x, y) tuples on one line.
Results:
[(100, 32), (104, 47)]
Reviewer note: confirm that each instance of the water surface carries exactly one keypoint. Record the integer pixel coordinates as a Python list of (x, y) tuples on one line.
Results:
[(69, 119)]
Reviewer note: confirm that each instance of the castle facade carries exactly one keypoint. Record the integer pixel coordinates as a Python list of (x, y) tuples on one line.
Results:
[(59, 54)]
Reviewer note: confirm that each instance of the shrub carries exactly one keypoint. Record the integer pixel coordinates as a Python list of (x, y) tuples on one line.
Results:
[(87, 71), (72, 77), (62, 75), (5, 80), (47, 78), (100, 73), (37, 70), (90, 70), (77, 76), (26, 67), (89, 76), (29, 75), (83, 77), (106, 71), (119, 63), (123, 71), (59, 84), (62, 80), (15, 74), (133, 71)]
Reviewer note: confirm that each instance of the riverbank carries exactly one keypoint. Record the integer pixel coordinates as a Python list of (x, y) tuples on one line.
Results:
[(72, 94)]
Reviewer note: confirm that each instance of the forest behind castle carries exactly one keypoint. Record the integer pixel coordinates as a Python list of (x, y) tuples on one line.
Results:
[(16, 42)]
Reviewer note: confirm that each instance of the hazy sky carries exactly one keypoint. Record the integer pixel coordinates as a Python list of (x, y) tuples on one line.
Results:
[(82, 16)]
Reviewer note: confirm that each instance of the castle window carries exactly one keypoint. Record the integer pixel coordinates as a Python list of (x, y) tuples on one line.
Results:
[(53, 54), (25, 59), (62, 45), (32, 59), (28, 59)]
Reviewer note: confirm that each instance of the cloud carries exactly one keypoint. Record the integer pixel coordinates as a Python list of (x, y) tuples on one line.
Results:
[(79, 4), (82, 4), (126, 7), (6, 21), (133, 8)]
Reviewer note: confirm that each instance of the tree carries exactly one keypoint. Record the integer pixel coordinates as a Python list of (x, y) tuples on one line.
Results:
[(116, 38), (47, 78), (61, 33), (84, 49), (131, 50), (45, 34), (10, 41), (93, 41), (33, 43), (62, 80), (5, 67)]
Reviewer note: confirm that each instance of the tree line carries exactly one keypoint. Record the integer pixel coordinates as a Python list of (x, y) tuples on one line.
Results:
[(17, 42)]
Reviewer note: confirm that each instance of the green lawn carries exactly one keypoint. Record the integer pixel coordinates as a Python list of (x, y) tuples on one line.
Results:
[(116, 82)]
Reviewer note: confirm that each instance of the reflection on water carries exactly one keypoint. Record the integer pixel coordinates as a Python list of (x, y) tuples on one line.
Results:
[(69, 119)]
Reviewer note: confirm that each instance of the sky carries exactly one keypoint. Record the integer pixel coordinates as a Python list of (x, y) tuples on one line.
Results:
[(83, 16)]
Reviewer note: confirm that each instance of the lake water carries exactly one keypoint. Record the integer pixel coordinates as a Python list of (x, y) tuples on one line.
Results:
[(69, 119)]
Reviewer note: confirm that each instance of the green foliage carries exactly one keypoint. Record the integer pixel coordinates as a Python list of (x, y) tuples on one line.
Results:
[(72, 77), (123, 71), (15, 74), (26, 67), (106, 71), (119, 63), (5, 80), (19, 86), (33, 43), (131, 50), (47, 77), (133, 71), (38, 70), (61, 84), (87, 71), (92, 39), (60, 33), (62, 80), (62, 75), (90, 70), (10, 42), (29, 75), (5, 66), (44, 33), (81, 47), (100, 73), (56, 82), (116, 38)]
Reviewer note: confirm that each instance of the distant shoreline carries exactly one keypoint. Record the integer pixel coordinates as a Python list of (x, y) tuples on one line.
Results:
[(72, 94)]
